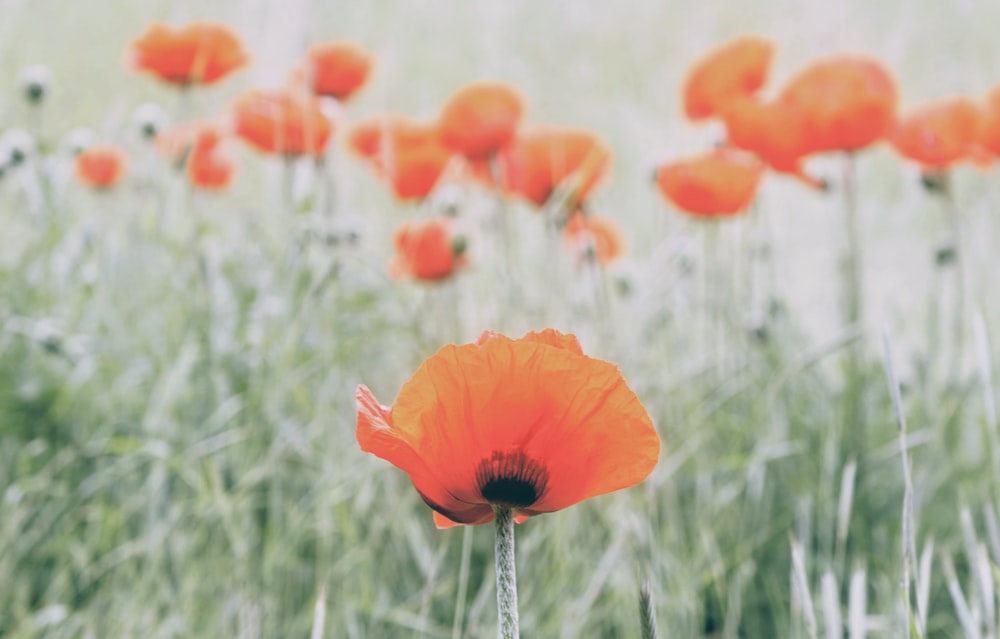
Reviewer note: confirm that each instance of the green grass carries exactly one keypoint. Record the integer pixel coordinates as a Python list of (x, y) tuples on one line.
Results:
[(177, 452)]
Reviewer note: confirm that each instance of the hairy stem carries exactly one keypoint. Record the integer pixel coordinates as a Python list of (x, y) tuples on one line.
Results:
[(506, 572)]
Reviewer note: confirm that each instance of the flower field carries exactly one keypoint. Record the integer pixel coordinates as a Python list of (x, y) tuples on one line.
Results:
[(402, 319)]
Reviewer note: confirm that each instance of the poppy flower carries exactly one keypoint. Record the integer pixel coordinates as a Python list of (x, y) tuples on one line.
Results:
[(207, 167), (427, 250), (738, 68), (773, 131), (587, 233), (371, 136), (990, 133), (847, 102), (337, 69), (415, 171), (480, 119), (941, 132), (406, 152), (196, 148), (100, 167), (282, 122), (543, 157), (532, 424), (197, 53), (718, 183)]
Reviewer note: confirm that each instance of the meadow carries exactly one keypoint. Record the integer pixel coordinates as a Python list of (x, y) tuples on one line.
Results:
[(178, 365)]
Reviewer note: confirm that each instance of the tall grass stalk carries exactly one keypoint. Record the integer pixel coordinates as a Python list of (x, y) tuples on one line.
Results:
[(910, 567)]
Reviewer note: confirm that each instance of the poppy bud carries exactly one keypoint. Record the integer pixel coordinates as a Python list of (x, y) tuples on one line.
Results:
[(458, 245), (150, 120), (758, 329), (934, 181), (77, 140), (35, 80), (47, 334), (624, 285), (945, 254), (16, 146)]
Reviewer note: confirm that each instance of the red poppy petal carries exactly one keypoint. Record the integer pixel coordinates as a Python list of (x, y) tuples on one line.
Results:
[(376, 434), (572, 417)]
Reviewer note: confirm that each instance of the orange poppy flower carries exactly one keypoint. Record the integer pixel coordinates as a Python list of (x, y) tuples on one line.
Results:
[(847, 102), (542, 158), (427, 250), (207, 167), (374, 137), (720, 182), (941, 132), (100, 167), (406, 152), (415, 171), (480, 119), (337, 69), (282, 122), (773, 131), (198, 53), (990, 133), (738, 68), (532, 424), (585, 233)]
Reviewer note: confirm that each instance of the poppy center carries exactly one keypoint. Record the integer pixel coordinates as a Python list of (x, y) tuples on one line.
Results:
[(511, 479)]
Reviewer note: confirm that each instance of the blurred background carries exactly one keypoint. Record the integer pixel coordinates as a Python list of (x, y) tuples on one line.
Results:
[(177, 453)]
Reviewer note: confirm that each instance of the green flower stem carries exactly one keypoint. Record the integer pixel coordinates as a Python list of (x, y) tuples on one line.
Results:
[(506, 573), (959, 313), (463, 583), (853, 315)]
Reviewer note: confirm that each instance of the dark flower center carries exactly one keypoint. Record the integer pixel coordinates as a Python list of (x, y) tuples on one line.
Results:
[(511, 479)]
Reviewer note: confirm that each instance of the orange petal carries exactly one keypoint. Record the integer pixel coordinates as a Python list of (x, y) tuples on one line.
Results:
[(377, 434), (570, 419)]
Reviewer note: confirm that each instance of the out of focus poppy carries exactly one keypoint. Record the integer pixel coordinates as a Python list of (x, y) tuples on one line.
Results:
[(371, 136), (414, 171), (337, 69), (531, 424), (197, 53), (282, 122), (990, 133), (408, 153), (100, 167), (941, 132), (847, 102), (773, 131), (542, 158), (738, 68), (594, 234), (195, 147), (721, 182), (375, 137), (427, 250), (207, 167), (480, 119)]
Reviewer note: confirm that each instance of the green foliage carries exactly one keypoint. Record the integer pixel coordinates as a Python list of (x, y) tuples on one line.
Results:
[(177, 452)]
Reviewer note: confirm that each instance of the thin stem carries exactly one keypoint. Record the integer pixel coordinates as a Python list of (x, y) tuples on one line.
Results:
[(506, 573), (852, 259), (463, 583), (288, 182), (502, 213), (958, 327), (853, 295)]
